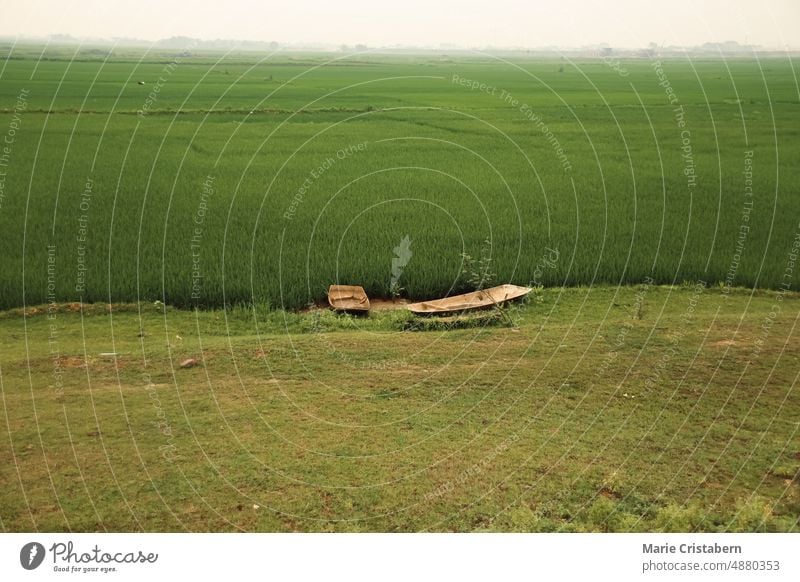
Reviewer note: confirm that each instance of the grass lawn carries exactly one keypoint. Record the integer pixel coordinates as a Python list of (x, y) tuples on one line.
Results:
[(604, 409)]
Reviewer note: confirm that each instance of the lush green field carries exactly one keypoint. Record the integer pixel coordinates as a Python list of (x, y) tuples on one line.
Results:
[(628, 409), (255, 181), (250, 179)]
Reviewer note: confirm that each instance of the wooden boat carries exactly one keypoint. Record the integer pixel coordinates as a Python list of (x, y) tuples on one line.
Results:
[(467, 301), (348, 298)]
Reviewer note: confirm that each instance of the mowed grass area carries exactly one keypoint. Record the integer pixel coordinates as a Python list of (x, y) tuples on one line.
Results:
[(261, 179), (637, 408)]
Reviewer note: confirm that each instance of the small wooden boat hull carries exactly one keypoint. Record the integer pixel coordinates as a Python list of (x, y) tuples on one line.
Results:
[(348, 298), (468, 301)]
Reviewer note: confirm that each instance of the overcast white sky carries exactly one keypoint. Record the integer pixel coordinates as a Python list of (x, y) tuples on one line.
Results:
[(469, 23)]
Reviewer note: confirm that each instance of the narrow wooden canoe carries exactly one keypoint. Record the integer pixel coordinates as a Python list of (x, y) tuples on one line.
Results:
[(475, 300), (348, 298)]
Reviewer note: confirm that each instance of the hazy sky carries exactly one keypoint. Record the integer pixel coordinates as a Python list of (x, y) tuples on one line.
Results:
[(471, 23)]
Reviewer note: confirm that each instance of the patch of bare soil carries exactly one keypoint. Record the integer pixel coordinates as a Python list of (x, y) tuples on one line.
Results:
[(72, 362), (374, 305), (723, 343), (386, 304)]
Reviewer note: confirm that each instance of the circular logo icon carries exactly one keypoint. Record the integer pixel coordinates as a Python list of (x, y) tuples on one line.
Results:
[(31, 555)]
